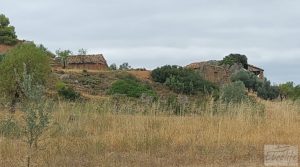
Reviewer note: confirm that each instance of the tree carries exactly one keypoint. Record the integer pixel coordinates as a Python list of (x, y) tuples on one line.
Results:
[(24, 57), (7, 33), (296, 93), (235, 58), (286, 90), (63, 54), (267, 91), (125, 66), (82, 51), (113, 67)]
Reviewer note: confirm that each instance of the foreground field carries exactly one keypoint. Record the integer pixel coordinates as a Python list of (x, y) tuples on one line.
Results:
[(81, 136)]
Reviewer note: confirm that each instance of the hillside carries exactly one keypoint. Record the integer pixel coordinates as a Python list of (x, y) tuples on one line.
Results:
[(94, 84)]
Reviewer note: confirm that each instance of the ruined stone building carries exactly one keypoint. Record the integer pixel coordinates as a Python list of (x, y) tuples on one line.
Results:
[(88, 62), (5, 48), (212, 71), (257, 71)]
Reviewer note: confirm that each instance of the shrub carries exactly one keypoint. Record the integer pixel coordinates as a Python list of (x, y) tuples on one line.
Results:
[(233, 93), (67, 92), (161, 74), (24, 57), (182, 80), (2, 57), (235, 58), (131, 87), (10, 128), (267, 91), (250, 80)]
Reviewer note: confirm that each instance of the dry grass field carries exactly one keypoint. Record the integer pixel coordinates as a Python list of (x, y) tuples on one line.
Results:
[(85, 135)]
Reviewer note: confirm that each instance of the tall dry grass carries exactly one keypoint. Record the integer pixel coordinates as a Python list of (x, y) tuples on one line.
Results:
[(91, 134)]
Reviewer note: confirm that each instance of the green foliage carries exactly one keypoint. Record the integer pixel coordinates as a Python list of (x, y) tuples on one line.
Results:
[(24, 58), (161, 74), (46, 51), (296, 93), (235, 58), (10, 128), (67, 92), (182, 80), (7, 32), (125, 66), (233, 93), (286, 90), (267, 91), (250, 80), (82, 51), (113, 67), (131, 87), (289, 91), (63, 54), (2, 56), (37, 114)]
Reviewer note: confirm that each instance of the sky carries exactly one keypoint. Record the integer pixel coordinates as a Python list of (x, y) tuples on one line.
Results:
[(154, 33)]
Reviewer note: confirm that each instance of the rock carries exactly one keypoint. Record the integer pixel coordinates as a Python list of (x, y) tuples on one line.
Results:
[(64, 76)]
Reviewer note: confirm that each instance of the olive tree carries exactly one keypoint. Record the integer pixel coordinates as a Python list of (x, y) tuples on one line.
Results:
[(23, 57), (63, 54)]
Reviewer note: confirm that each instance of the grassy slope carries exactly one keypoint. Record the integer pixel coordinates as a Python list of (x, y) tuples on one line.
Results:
[(96, 138), (92, 135), (94, 84)]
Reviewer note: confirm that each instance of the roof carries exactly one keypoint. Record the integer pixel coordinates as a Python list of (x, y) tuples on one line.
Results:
[(198, 65), (254, 67), (86, 59)]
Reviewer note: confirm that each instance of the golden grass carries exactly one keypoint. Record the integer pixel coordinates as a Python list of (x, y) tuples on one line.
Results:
[(93, 138)]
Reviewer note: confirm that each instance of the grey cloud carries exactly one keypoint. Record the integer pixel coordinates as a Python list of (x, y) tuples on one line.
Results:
[(154, 33)]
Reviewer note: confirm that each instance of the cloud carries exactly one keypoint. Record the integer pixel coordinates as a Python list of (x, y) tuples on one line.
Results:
[(154, 33)]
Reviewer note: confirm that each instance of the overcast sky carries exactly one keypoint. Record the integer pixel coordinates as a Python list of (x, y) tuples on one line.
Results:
[(154, 33)]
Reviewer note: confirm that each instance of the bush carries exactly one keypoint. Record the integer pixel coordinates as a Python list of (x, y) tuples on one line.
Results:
[(131, 87), (24, 57), (10, 128), (267, 91), (182, 80), (250, 80), (235, 59), (2, 57), (67, 92), (233, 93)]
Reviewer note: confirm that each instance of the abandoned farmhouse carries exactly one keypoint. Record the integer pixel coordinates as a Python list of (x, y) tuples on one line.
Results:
[(88, 62), (212, 71)]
